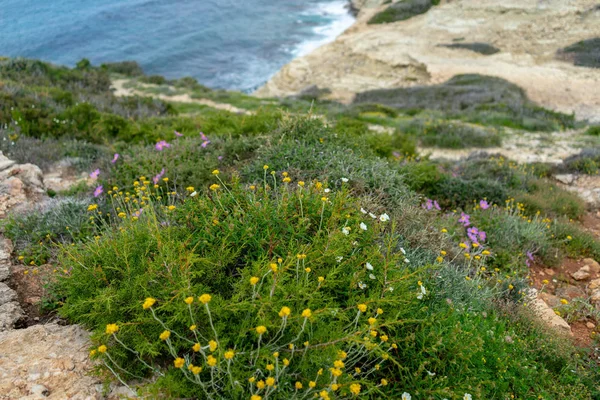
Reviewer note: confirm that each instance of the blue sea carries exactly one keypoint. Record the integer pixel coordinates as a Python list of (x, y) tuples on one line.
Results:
[(231, 44)]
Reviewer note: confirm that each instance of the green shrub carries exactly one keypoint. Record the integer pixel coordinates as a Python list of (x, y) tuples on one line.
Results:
[(593, 130), (58, 221), (256, 272), (402, 10), (452, 135), (475, 98), (482, 48), (127, 68), (585, 53)]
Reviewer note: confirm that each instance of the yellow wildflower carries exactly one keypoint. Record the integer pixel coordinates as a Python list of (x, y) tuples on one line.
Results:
[(384, 382), (205, 298), (270, 367), (165, 335), (214, 187), (179, 362), (260, 384), (312, 384), (196, 370), (212, 345), (189, 300), (285, 312), (229, 354), (211, 361), (355, 389), (215, 172), (338, 364), (102, 349), (196, 347), (270, 381), (112, 328), (362, 307), (298, 385), (261, 329), (254, 280), (286, 362)]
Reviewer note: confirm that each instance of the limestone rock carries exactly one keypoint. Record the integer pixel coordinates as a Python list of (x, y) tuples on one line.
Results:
[(569, 292), (567, 179), (590, 325), (10, 314), (595, 296), (48, 362), (551, 300), (595, 284), (548, 315), (582, 274), (5, 162), (593, 264)]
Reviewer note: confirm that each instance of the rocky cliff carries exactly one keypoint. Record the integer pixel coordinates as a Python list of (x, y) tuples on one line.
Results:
[(432, 47)]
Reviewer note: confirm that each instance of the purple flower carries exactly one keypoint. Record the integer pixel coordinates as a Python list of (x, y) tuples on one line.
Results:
[(162, 145), (529, 258), (464, 219), (115, 158), (472, 234), (157, 177), (205, 143), (220, 158), (428, 204), (436, 205), (203, 136), (138, 212), (396, 154), (98, 191), (178, 134), (94, 175), (482, 236), (484, 205)]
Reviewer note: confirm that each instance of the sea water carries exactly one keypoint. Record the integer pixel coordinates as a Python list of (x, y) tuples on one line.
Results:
[(232, 44)]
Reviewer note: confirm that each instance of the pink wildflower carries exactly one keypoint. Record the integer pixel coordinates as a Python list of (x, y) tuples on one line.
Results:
[(98, 191), (94, 175)]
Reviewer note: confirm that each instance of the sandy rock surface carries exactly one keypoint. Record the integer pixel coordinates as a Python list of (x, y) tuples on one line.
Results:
[(407, 53)]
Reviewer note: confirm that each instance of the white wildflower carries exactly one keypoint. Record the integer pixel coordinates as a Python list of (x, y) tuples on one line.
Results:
[(346, 230), (339, 259), (422, 293), (362, 285), (363, 226), (345, 180), (406, 260), (402, 250), (194, 194), (371, 276), (327, 190), (467, 396), (372, 215), (384, 217), (391, 289), (369, 266), (406, 396), (362, 210)]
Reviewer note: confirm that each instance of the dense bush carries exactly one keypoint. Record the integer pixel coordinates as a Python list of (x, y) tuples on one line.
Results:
[(284, 288)]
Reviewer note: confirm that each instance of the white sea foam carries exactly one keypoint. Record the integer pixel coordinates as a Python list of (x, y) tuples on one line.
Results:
[(338, 19)]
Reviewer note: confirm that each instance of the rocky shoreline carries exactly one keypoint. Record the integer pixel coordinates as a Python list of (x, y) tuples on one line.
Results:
[(528, 34)]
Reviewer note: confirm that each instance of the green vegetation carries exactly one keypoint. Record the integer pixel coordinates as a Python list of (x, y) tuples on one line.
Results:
[(585, 53), (474, 98), (403, 10), (244, 260), (482, 48)]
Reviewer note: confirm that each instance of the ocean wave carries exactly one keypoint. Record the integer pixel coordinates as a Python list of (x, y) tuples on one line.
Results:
[(336, 17)]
